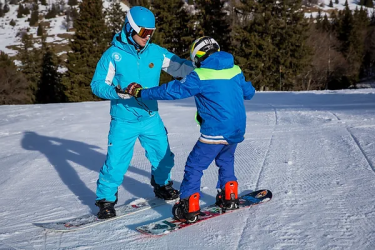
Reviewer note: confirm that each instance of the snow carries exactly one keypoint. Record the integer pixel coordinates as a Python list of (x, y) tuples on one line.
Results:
[(8, 34), (353, 4), (314, 150)]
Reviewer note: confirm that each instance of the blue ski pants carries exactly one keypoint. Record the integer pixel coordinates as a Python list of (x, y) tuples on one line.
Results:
[(200, 158), (121, 139)]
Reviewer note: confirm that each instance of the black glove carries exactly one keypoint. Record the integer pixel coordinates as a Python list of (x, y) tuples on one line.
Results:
[(121, 93)]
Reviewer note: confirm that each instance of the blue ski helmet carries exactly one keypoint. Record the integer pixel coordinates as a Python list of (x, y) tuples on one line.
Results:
[(142, 17), (139, 20)]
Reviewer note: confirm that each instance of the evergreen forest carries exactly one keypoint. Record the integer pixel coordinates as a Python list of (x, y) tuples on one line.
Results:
[(277, 45)]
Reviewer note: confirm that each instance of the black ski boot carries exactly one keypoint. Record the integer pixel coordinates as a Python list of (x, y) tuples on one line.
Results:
[(227, 198), (107, 209), (166, 192), (187, 210)]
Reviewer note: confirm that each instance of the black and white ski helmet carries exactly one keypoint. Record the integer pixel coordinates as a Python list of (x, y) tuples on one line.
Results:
[(202, 48)]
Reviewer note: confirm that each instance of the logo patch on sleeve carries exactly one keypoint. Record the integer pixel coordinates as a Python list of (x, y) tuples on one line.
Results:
[(116, 56), (151, 65)]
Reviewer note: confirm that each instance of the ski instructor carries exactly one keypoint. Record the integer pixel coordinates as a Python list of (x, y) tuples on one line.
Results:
[(133, 58)]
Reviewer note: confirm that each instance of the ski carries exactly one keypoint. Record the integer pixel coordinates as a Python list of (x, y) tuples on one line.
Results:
[(90, 220), (168, 225)]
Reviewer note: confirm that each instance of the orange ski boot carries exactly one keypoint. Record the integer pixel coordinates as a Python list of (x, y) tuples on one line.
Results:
[(187, 210), (227, 198)]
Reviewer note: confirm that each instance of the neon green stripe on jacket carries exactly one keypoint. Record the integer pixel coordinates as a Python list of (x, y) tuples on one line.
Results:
[(213, 74)]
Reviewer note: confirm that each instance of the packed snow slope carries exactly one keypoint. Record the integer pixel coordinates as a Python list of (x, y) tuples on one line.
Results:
[(314, 150)]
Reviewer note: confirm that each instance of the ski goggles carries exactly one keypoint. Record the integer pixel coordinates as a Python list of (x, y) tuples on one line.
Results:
[(141, 31), (146, 32)]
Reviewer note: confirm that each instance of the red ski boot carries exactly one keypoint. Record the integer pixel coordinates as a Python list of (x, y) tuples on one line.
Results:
[(227, 198), (187, 210)]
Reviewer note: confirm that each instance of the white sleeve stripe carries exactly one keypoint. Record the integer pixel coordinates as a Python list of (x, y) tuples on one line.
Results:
[(166, 63), (110, 74)]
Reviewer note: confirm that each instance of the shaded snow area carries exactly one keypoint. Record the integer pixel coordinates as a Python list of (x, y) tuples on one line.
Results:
[(314, 150)]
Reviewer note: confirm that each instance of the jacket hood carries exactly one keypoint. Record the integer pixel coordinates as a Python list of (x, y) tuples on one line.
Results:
[(218, 60)]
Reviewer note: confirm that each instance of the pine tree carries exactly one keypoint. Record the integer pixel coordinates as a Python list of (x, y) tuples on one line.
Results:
[(6, 7), (326, 25), (318, 19), (214, 21), (1, 10), (346, 31), (334, 21), (40, 30), (14, 87), (351, 34), (115, 18), (34, 17), (293, 54), (330, 4), (271, 47), (20, 11), (144, 3), (253, 47), (30, 58), (88, 44), (43, 2), (49, 85), (368, 66), (25, 11), (175, 26)]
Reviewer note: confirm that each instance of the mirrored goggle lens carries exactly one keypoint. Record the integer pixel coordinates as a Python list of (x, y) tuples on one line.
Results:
[(144, 32)]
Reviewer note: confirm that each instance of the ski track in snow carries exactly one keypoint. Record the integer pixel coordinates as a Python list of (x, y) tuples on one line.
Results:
[(314, 150)]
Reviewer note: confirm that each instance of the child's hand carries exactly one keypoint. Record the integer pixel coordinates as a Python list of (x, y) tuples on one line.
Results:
[(134, 89)]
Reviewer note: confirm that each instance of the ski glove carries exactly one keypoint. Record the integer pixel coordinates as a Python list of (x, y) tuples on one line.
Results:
[(134, 89), (121, 93)]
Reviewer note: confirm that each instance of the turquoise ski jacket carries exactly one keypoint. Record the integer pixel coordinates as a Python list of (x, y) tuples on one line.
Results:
[(219, 88), (122, 64)]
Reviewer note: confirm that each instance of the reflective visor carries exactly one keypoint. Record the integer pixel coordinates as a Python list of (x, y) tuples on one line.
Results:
[(141, 31), (145, 32)]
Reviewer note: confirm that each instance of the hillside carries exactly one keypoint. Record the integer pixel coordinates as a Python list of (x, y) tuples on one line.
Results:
[(56, 28), (57, 31)]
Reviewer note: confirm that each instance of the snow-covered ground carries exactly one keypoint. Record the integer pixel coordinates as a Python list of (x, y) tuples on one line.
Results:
[(314, 150)]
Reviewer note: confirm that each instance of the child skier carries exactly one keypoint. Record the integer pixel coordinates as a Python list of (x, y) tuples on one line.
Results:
[(219, 88)]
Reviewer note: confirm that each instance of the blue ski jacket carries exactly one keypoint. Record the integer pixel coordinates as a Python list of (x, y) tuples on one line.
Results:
[(219, 88), (122, 64)]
